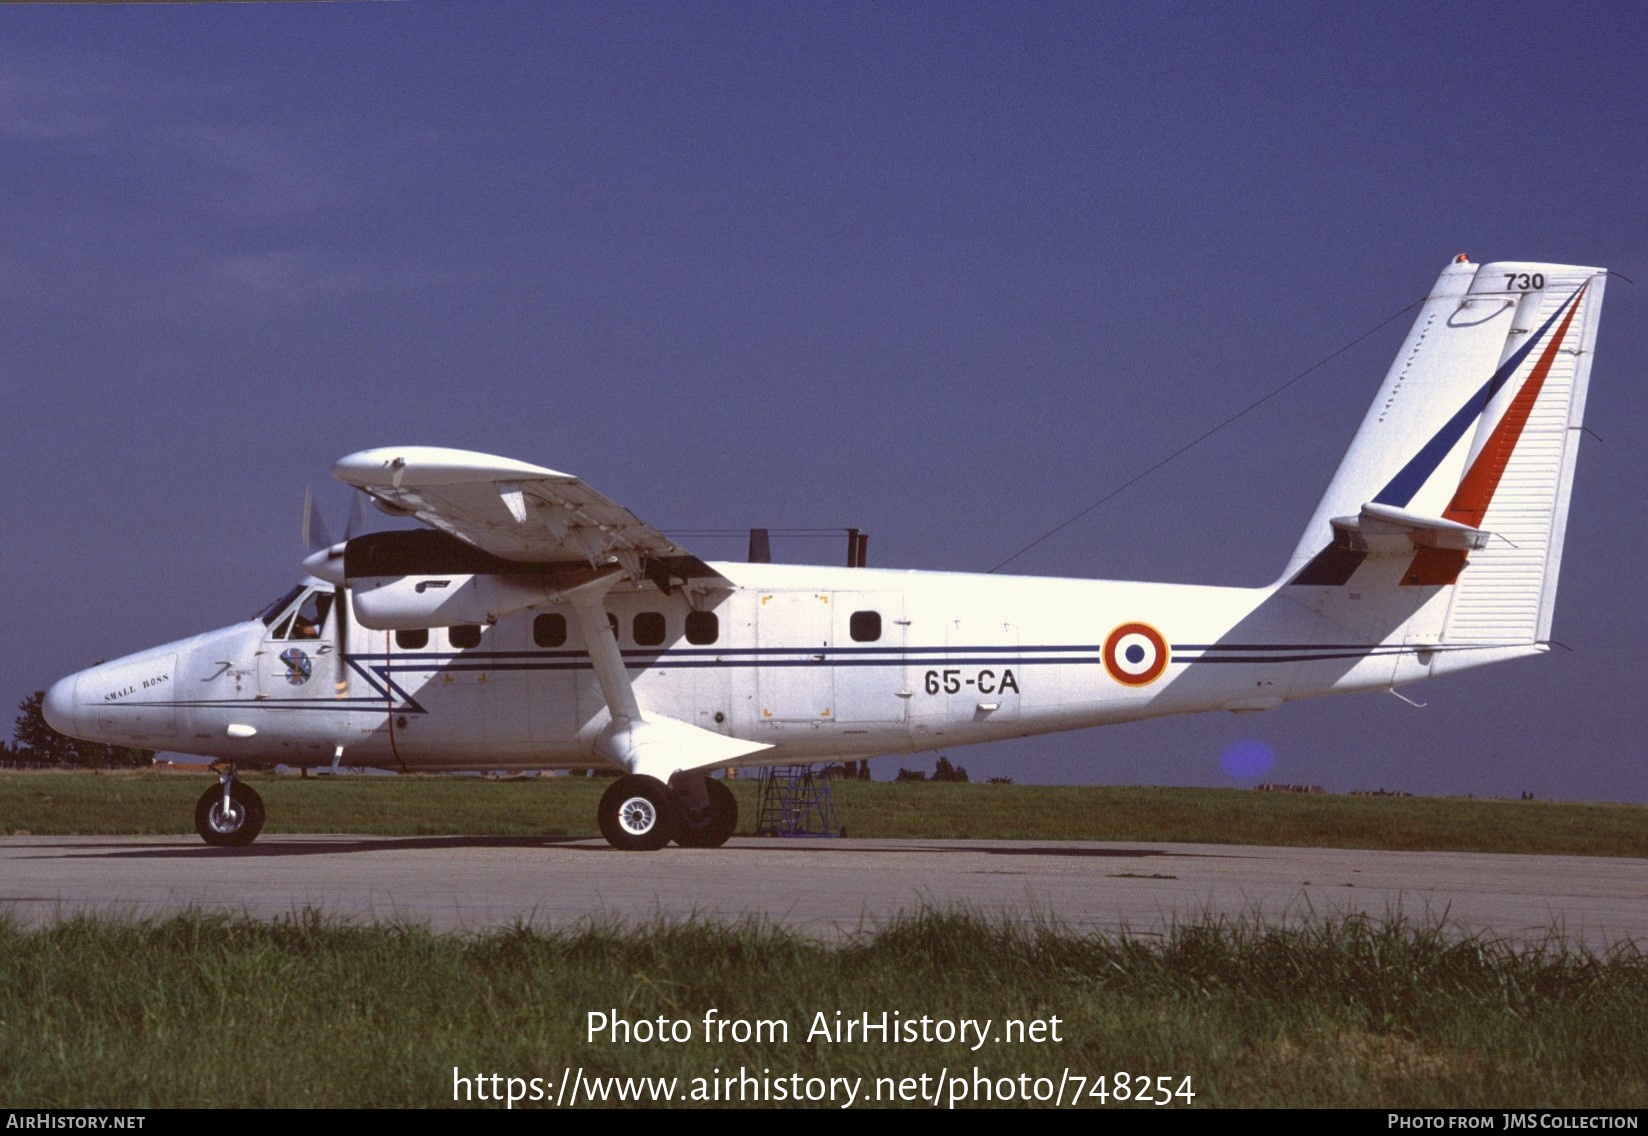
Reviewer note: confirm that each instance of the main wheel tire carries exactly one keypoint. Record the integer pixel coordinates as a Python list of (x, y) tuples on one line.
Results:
[(236, 828), (716, 827), (638, 814)]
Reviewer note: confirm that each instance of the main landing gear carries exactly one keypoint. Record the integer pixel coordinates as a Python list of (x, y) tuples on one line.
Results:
[(229, 815), (642, 814), (637, 813)]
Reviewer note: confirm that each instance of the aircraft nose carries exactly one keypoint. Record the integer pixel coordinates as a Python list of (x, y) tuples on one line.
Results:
[(60, 705)]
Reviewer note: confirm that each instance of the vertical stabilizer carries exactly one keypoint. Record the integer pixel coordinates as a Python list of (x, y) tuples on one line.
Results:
[(1455, 490)]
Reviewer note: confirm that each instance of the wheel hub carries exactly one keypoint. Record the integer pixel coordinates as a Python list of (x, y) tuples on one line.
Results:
[(637, 816), (227, 822)]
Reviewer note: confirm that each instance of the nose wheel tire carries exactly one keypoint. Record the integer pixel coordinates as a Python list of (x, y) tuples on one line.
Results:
[(638, 814), (713, 830), (234, 828)]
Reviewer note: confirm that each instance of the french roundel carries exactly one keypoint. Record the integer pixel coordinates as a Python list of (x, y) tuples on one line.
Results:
[(1135, 654)]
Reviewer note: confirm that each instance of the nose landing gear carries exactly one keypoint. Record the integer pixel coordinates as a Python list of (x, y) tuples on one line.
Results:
[(229, 815)]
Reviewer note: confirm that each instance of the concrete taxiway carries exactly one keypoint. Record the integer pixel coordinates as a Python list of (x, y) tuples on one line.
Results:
[(827, 888)]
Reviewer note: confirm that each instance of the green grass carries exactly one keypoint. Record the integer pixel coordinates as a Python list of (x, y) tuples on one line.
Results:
[(205, 1010), (156, 803)]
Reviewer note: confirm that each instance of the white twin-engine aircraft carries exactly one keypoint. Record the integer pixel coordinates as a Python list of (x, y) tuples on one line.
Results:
[(538, 625)]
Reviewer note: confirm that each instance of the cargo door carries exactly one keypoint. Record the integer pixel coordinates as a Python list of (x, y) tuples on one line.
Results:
[(797, 682)]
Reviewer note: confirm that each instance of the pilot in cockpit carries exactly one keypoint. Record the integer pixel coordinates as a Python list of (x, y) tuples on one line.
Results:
[(304, 623)]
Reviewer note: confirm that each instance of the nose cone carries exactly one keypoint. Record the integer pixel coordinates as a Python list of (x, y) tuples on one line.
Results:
[(327, 564), (60, 706)]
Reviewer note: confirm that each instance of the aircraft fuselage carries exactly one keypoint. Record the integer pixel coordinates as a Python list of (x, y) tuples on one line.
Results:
[(819, 663)]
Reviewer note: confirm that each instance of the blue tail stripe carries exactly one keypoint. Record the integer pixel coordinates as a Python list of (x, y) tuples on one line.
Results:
[(1405, 484)]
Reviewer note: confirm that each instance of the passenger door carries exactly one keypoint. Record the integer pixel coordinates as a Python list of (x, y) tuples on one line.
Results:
[(869, 657), (297, 656)]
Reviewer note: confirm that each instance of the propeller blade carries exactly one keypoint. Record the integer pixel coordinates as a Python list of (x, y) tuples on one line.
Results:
[(357, 516), (315, 536)]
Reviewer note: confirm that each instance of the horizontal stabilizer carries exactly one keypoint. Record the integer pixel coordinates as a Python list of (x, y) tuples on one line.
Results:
[(1385, 528)]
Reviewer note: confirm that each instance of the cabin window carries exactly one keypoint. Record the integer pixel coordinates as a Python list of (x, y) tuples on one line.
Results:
[(464, 636), (703, 627), (648, 627), (412, 638), (865, 626), (549, 630)]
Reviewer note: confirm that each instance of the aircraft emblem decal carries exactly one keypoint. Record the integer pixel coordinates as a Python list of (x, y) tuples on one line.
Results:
[(298, 666), (1135, 654)]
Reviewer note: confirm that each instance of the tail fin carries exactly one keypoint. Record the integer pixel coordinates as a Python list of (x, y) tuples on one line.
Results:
[(1456, 487)]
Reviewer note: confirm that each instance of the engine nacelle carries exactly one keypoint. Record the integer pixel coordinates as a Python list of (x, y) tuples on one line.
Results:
[(397, 603), (425, 578)]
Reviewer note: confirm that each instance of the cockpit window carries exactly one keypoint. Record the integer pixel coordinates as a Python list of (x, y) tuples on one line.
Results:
[(307, 619), (312, 615), (278, 608)]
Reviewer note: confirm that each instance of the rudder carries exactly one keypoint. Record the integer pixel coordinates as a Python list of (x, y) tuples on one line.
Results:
[(1519, 476)]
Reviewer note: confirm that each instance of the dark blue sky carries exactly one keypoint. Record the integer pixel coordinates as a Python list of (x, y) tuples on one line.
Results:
[(945, 272)]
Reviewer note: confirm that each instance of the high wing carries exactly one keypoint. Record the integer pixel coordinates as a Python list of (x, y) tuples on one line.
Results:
[(519, 512), (574, 545)]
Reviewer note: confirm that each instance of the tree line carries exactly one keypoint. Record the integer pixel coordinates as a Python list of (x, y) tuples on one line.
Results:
[(34, 742)]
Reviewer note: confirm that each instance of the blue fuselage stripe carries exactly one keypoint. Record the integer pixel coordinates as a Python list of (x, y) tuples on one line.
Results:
[(377, 669)]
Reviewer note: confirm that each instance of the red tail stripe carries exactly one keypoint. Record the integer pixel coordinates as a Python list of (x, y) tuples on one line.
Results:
[(1470, 501)]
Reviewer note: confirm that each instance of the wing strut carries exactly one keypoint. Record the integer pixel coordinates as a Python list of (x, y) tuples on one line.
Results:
[(589, 608), (651, 744)]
